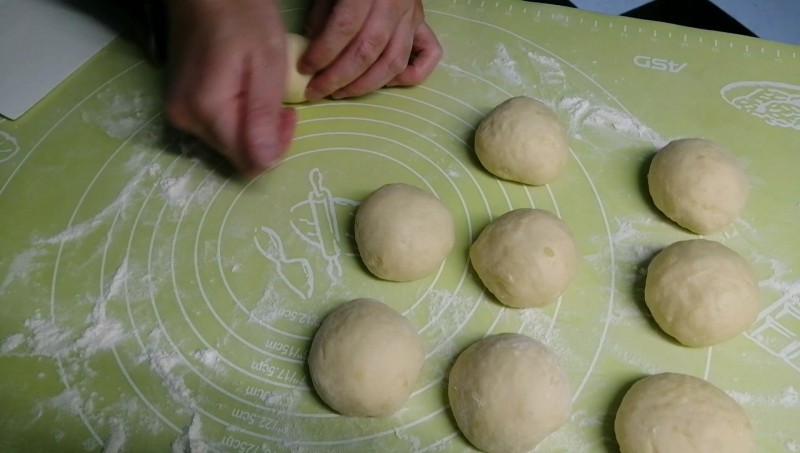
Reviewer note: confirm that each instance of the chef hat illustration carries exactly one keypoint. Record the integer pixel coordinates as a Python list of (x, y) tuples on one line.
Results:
[(777, 104)]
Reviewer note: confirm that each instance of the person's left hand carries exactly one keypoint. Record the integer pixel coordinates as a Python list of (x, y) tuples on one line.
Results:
[(359, 46)]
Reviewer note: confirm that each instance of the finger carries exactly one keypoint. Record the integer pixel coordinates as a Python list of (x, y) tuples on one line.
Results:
[(262, 118), (426, 54), (211, 118), (359, 56), (392, 62), (318, 17), (343, 23)]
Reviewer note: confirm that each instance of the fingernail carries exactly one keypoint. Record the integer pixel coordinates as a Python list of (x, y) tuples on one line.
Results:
[(339, 95)]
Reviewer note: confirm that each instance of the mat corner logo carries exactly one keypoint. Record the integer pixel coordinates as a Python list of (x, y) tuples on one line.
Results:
[(659, 64)]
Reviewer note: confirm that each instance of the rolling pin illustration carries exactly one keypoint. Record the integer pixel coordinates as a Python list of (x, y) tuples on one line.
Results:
[(269, 243), (324, 234)]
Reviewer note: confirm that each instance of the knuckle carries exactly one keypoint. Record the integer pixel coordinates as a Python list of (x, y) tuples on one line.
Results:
[(397, 65), (344, 23), (368, 49)]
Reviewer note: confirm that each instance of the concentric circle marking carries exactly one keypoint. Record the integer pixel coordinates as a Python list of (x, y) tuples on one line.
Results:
[(212, 258)]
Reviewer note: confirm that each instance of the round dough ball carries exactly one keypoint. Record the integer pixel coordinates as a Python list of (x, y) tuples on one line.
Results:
[(526, 257), (296, 83), (403, 233), (676, 413), (701, 292), (508, 392), (365, 359), (522, 140), (698, 184)]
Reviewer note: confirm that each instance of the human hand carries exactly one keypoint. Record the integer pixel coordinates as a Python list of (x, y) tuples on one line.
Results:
[(228, 71), (359, 46)]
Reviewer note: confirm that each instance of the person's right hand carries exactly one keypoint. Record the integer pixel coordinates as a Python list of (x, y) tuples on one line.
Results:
[(228, 71), (358, 46)]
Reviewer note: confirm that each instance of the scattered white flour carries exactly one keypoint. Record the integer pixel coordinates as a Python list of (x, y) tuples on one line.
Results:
[(506, 66), (544, 60), (114, 288), (22, 266), (122, 114), (793, 446), (267, 309), (411, 443), (583, 113), (539, 325), (626, 356), (191, 439), (210, 358), (628, 239), (102, 333), (778, 281), (11, 343), (69, 401), (441, 303), (46, 339), (550, 71), (104, 217), (788, 398), (606, 117), (164, 365), (177, 190), (116, 441)]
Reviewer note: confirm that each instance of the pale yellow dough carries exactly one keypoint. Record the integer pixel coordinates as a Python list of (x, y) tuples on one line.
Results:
[(526, 257), (508, 392), (296, 82), (698, 184), (676, 413), (403, 233), (701, 292), (522, 140), (365, 359)]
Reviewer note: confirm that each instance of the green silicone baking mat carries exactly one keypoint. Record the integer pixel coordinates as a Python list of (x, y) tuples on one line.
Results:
[(151, 302)]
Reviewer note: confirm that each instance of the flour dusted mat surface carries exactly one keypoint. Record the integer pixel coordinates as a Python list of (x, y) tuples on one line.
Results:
[(149, 301)]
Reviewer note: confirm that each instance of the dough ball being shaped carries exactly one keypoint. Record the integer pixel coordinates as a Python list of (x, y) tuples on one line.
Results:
[(701, 292), (296, 83), (526, 257), (522, 140), (403, 233), (676, 413), (508, 392), (698, 184), (365, 359)]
